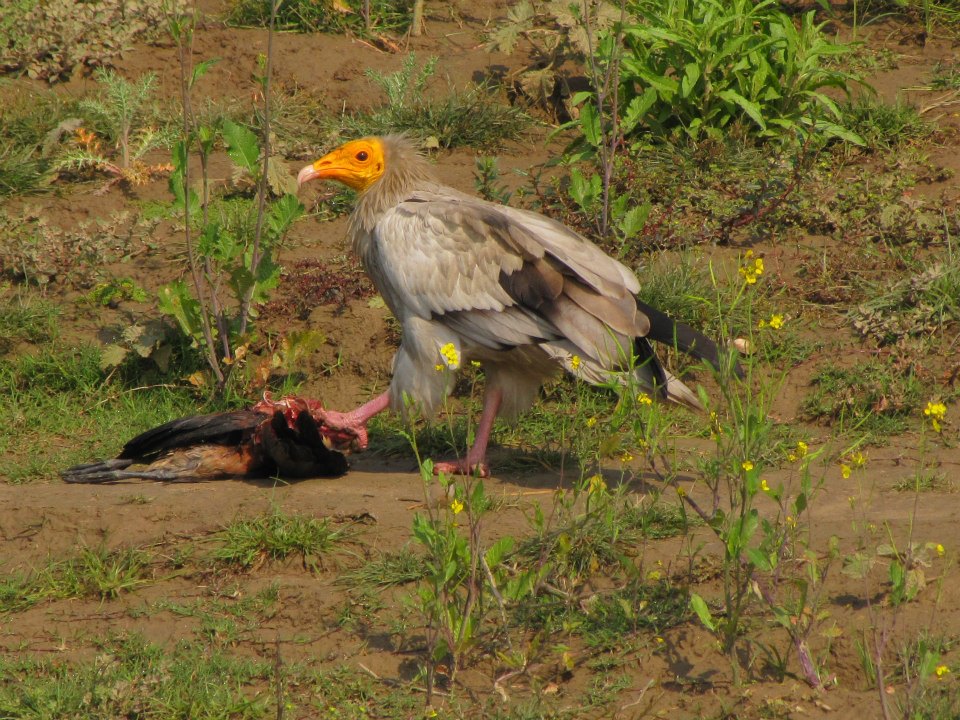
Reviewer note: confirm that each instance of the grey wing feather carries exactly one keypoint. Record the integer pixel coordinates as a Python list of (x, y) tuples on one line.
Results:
[(501, 276)]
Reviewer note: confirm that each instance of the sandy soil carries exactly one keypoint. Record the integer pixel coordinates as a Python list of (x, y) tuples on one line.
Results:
[(379, 496)]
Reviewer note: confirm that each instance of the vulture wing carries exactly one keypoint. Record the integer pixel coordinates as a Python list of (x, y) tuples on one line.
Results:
[(502, 277)]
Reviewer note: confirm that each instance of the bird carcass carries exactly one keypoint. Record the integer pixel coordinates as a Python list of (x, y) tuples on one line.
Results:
[(274, 438)]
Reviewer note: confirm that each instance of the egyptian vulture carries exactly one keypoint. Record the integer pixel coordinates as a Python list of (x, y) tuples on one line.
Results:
[(474, 281)]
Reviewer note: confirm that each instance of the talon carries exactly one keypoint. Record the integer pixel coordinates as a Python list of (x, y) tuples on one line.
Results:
[(462, 467)]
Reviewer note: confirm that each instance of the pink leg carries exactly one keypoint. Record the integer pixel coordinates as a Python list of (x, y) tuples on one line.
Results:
[(475, 461), (354, 423)]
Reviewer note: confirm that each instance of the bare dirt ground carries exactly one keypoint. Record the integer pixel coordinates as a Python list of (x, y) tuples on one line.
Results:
[(680, 674)]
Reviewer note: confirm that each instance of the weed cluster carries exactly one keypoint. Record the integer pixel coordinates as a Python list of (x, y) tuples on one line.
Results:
[(118, 115), (470, 118), (356, 16), (50, 40), (34, 251)]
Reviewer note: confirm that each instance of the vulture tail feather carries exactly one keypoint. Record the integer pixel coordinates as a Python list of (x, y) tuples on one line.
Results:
[(664, 384), (668, 331)]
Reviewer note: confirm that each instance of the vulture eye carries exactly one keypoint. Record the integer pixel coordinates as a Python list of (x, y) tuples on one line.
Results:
[(362, 156)]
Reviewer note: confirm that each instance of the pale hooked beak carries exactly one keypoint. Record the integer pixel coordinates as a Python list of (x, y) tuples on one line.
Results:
[(307, 174)]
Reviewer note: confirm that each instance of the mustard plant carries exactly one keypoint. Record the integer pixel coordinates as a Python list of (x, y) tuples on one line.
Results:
[(756, 543)]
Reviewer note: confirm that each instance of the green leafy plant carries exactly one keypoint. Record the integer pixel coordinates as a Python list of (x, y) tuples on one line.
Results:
[(461, 573), (756, 545), (700, 67), (230, 272)]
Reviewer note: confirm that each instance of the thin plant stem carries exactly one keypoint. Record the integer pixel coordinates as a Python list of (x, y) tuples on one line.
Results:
[(185, 54), (262, 187)]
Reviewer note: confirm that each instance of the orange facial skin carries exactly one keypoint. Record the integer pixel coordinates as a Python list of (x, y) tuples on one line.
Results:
[(357, 164)]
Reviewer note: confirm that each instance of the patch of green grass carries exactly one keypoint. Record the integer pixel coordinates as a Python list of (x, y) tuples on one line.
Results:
[(605, 620), (469, 118), (226, 619), (32, 126), (883, 126), (946, 76), (21, 170), (388, 568), (607, 534), (872, 397), (924, 480), (60, 399), (32, 321), (923, 304), (785, 347), (132, 677), (276, 536), (94, 572), (49, 40), (308, 16), (343, 693)]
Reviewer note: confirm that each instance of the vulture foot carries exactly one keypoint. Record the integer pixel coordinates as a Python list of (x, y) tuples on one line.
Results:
[(463, 467), (344, 429), (351, 427)]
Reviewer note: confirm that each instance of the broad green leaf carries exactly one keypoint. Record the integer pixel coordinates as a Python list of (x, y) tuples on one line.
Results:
[(242, 146), (498, 551), (637, 108), (201, 69), (702, 611), (858, 565), (749, 107), (759, 559), (283, 213), (175, 300), (691, 75), (590, 124), (634, 219)]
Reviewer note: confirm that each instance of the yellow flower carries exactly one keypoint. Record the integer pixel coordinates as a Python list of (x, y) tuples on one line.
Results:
[(575, 362), (746, 465), (660, 640), (596, 484), (644, 399), (942, 670), (936, 412), (751, 270), (681, 492), (802, 448), (858, 459), (625, 457), (591, 421), (475, 363), (438, 368), (791, 521), (775, 322), (764, 486), (456, 506), (450, 356), (653, 575), (844, 470), (940, 550)]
